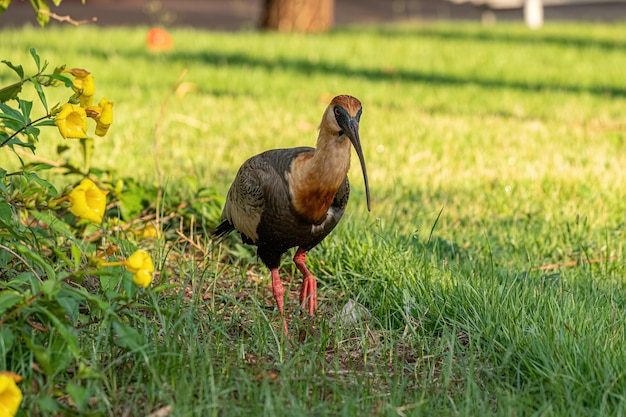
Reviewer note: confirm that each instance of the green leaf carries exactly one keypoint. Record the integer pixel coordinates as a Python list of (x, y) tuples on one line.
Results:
[(70, 305), (55, 356), (33, 52), (9, 113), (8, 299), (15, 229), (129, 286), (42, 96), (47, 405), (62, 259), (45, 122), (109, 282), (50, 288), (31, 131), (41, 7), (65, 331), (52, 222), (4, 4), (6, 212), (17, 68), (25, 107), (80, 293), (62, 78), (10, 93), (31, 176), (77, 255), (41, 167), (79, 395), (130, 205), (29, 253), (128, 337), (88, 372), (16, 141), (43, 358), (7, 338)]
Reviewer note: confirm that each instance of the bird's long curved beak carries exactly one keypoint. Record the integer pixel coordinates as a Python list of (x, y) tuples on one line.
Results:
[(353, 134)]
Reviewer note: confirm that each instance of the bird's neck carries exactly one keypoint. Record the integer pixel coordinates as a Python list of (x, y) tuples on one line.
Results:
[(331, 160), (316, 176)]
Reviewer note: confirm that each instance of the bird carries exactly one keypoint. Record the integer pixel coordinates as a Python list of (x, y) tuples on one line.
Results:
[(294, 197)]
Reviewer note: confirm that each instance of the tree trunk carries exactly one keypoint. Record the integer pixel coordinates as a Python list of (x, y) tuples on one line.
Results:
[(298, 15)]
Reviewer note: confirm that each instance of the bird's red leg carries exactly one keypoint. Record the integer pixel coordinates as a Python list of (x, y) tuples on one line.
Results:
[(279, 295), (308, 292)]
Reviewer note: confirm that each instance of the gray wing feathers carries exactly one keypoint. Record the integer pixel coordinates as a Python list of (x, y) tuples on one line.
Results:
[(245, 200)]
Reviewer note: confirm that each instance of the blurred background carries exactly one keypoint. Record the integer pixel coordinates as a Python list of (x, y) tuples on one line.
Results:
[(314, 15)]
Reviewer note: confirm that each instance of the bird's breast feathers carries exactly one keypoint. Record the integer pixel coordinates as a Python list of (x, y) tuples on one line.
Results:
[(311, 196)]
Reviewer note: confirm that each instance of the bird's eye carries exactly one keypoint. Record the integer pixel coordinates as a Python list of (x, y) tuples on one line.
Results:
[(337, 112)]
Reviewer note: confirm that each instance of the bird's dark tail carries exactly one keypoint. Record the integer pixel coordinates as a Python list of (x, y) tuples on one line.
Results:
[(222, 229)]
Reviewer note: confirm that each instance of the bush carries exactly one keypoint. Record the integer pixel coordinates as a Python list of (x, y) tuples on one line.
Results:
[(74, 263)]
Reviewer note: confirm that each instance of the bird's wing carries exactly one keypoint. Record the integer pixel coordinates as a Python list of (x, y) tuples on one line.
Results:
[(246, 200)]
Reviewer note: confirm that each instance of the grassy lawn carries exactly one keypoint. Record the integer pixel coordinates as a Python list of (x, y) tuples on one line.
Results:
[(493, 259)]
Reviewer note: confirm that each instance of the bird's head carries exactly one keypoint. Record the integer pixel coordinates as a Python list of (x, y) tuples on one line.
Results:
[(342, 118)]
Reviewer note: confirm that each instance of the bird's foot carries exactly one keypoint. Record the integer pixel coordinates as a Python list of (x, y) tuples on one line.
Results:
[(308, 294)]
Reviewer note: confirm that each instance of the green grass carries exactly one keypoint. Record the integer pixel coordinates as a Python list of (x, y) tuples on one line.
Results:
[(492, 151)]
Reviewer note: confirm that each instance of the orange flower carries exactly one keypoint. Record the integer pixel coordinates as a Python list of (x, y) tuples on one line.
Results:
[(159, 40), (88, 201)]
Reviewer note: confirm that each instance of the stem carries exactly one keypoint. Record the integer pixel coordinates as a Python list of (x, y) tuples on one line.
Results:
[(23, 261), (21, 82), (117, 263), (47, 116), (46, 161)]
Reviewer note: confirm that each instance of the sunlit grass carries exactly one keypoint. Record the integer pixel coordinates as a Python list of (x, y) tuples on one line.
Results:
[(491, 151)]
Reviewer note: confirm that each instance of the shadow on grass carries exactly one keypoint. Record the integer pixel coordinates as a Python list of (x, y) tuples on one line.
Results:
[(496, 36), (304, 66), (380, 75)]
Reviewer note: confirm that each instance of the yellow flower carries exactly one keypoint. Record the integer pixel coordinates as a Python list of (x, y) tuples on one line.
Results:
[(103, 115), (10, 394), (140, 264), (72, 121), (149, 232), (83, 83), (88, 201)]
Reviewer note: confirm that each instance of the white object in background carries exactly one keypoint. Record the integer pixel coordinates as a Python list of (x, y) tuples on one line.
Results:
[(533, 13)]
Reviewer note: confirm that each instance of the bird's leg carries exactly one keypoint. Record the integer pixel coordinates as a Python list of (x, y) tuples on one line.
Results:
[(279, 295), (308, 292)]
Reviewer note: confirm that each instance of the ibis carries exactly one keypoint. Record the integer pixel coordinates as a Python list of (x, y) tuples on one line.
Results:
[(294, 197)]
